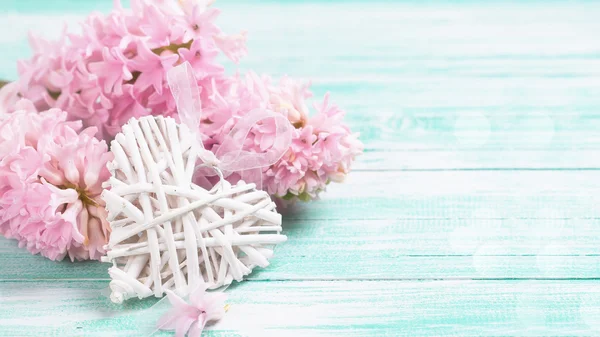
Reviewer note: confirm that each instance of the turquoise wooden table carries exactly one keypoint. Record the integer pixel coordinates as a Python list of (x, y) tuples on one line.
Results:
[(473, 211)]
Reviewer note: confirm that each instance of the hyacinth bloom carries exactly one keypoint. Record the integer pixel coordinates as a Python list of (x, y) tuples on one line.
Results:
[(115, 69), (322, 148), (51, 175), (191, 318)]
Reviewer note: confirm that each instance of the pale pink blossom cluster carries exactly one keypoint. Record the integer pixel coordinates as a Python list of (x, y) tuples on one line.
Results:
[(116, 67), (51, 175), (322, 148)]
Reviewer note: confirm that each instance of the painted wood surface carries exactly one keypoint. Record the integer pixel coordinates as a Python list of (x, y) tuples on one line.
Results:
[(474, 210), (324, 308)]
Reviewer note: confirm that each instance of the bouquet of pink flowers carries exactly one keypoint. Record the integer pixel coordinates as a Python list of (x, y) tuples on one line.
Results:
[(51, 174), (114, 70)]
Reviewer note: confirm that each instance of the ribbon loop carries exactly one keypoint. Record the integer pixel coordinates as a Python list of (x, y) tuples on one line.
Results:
[(185, 91), (230, 156), (231, 153)]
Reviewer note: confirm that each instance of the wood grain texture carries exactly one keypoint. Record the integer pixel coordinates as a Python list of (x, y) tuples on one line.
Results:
[(477, 159), (483, 248), (473, 211), (358, 308), (404, 249), (438, 224), (458, 194)]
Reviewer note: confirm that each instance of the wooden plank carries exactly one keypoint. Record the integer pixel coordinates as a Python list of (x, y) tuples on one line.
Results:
[(468, 130), (458, 194), (17, 264), (440, 159), (436, 308), (394, 249), (471, 131)]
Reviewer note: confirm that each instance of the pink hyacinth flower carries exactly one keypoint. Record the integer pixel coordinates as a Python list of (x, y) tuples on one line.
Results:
[(191, 318), (114, 67), (51, 175), (8, 97)]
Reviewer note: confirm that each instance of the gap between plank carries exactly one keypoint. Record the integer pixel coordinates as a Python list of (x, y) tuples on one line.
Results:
[(352, 279)]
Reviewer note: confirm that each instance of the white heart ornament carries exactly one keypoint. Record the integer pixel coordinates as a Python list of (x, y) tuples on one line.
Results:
[(169, 233)]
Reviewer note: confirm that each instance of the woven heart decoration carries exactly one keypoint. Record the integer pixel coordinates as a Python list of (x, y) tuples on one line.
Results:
[(169, 233)]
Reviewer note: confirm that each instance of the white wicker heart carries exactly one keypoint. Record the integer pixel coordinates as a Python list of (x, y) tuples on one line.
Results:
[(167, 232)]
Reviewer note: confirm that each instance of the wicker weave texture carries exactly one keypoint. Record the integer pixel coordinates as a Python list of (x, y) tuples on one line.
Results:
[(169, 233)]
